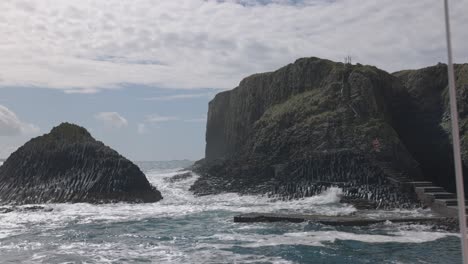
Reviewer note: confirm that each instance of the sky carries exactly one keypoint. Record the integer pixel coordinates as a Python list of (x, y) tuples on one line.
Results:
[(139, 74)]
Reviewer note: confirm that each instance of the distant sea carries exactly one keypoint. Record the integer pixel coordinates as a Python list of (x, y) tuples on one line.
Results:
[(183, 228)]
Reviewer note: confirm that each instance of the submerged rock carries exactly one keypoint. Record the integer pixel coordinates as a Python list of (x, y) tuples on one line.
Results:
[(69, 165)]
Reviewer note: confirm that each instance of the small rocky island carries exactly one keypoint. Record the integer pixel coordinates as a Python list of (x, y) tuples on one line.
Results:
[(69, 165), (315, 123)]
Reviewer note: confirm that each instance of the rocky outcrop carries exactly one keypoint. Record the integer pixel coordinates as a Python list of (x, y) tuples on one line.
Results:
[(69, 165), (306, 126), (423, 121), (317, 123)]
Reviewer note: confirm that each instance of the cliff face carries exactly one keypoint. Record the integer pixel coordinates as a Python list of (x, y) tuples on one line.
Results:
[(232, 114), (69, 165), (424, 120), (316, 123), (309, 124)]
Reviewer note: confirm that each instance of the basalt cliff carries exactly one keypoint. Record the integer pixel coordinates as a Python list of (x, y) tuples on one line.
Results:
[(69, 165), (316, 123)]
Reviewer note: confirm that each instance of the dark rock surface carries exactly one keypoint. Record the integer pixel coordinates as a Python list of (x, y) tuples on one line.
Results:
[(316, 123), (179, 177), (69, 165), (9, 209), (423, 121)]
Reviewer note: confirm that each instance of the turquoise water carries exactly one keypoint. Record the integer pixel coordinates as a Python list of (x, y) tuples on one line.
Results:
[(187, 229)]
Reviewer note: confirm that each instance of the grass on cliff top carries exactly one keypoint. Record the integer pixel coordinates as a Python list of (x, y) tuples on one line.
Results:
[(320, 102), (303, 104)]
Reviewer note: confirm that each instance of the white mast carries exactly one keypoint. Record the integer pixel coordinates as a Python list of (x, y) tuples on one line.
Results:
[(456, 139)]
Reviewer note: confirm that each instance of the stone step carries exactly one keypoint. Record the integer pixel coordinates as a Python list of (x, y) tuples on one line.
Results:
[(404, 179), (393, 171), (449, 202), (421, 184), (384, 163), (442, 195), (456, 208), (398, 180), (393, 179), (430, 189)]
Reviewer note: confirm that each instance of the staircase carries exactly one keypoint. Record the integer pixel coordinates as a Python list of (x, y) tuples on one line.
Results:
[(437, 198), (394, 175), (430, 195)]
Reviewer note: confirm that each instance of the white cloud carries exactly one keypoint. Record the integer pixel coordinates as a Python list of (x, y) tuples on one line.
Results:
[(11, 125), (84, 46), (141, 129), (155, 118), (113, 119), (178, 97)]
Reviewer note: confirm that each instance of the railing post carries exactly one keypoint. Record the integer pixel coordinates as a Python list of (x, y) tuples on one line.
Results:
[(456, 139)]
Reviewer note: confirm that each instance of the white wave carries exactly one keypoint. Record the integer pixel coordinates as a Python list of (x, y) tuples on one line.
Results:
[(330, 196), (204, 253), (317, 238), (23, 245), (178, 197), (178, 201)]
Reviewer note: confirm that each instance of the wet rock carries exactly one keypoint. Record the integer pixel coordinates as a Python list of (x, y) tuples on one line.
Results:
[(179, 177), (34, 208), (4, 210), (69, 165), (446, 224)]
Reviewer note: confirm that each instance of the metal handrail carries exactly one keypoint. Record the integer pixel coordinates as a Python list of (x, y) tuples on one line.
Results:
[(456, 139)]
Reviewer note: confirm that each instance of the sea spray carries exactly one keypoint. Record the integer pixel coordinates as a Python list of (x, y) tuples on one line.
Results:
[(329, 196)]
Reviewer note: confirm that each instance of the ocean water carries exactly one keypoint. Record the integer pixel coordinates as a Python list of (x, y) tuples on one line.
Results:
[(183, 228)]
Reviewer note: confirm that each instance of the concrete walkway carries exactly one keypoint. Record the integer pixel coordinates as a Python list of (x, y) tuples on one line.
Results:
[(329, 220)]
